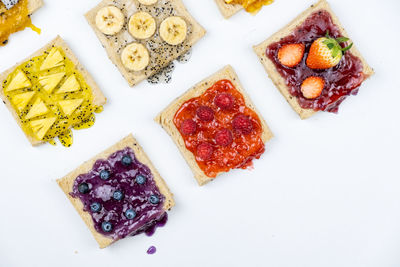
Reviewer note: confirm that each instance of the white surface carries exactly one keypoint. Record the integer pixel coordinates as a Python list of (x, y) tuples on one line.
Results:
[(326, 192)]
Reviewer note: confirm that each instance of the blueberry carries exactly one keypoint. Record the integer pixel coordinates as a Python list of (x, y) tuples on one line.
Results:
[(140, 179), (95, 207), (83, 188), (154, 199), (118, 195), (127, 160), (106, 226), (130, 214), (105, 175)]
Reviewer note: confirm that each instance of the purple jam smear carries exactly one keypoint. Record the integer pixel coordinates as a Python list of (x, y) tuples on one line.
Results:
[(136, 196), (152, 250), (340, 81)]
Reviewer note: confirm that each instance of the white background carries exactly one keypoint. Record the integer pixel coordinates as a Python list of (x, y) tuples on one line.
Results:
[(326, 193)]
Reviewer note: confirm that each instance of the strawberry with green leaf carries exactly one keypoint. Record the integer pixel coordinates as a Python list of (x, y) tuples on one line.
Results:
[(326, 52)]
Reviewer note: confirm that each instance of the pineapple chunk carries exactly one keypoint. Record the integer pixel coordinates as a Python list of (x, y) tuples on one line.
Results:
[(39, 108), (69, 106), (50, 82), (54, 59), (18, 82), (70, 85), (42, 126), (21, 100)]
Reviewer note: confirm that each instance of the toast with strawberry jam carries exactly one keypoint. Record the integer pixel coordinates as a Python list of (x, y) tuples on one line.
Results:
[(313, 62)]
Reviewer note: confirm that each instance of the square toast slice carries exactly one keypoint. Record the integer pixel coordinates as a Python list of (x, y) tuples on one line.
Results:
[(269, 66), (228, 10), (165, 118), (66, 184), (98, 98), (130, 7), (34, 5)]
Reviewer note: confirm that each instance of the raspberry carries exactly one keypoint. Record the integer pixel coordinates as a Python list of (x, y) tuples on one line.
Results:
[(223, 137), (204, 151), (242, 124), (188, 127), (224, 101), (205, 113)]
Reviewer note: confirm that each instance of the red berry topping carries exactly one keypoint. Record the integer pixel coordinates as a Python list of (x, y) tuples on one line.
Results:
[(223, 137), (205, 113), (242, 124), (188, 127), (290, 55), (312, 87), (224, 101), (204, 151)]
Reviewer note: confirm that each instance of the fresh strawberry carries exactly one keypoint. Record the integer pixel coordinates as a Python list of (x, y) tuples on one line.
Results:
[(326, 52), (204, 151), (290, 55), (205, 113), (188, 127), (312, 87)]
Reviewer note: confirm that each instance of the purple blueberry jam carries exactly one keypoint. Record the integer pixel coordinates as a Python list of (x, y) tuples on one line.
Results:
[(151, 250), (121, 195)]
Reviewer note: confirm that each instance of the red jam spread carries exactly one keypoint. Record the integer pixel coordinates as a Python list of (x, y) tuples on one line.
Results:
[(220, 130), (121, 196), (340, 81)]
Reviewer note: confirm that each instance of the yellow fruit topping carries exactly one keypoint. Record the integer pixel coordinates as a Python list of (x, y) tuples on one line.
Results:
[(19, 81), (54, 59), (21, 100), (252, 6), (14, 19), (50, 82), (50, 96)]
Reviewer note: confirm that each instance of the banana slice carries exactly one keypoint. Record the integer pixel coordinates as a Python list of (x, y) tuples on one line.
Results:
[(110, 20), (142, 25), (147, 2), (135, 57), (173, 30)]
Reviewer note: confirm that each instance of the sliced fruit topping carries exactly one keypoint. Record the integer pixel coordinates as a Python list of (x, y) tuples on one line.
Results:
[(154, 199), (326, 52), (107, 227), (205, 113), (173, 30), (224, 101), (312, 87), (147, 2), (242, 124), (69, 106), (223, 137), (50, 82), (10, 3), (290, 55), (130, 214), (188, 127), (53, 59), (135, 57), (142, 25), (110, 20), (41, 127), (83, 188), (21, 100), (18, 82), (204, 151), (38, 108), (70, 85)]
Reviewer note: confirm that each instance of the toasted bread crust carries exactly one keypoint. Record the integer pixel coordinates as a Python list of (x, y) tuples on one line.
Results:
[(131, 77), (98, 98), (269, 66), (34, 5), (165, 118), (228, 10), (66, 183)]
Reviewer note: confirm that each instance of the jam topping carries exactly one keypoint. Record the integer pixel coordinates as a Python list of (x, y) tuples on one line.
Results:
[(14, 19), (121, 196), (340, 81), (220, 130), (50, 96), (251, 6)]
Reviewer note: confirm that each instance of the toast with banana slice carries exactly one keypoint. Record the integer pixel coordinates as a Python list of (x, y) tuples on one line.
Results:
[(142, 37)]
